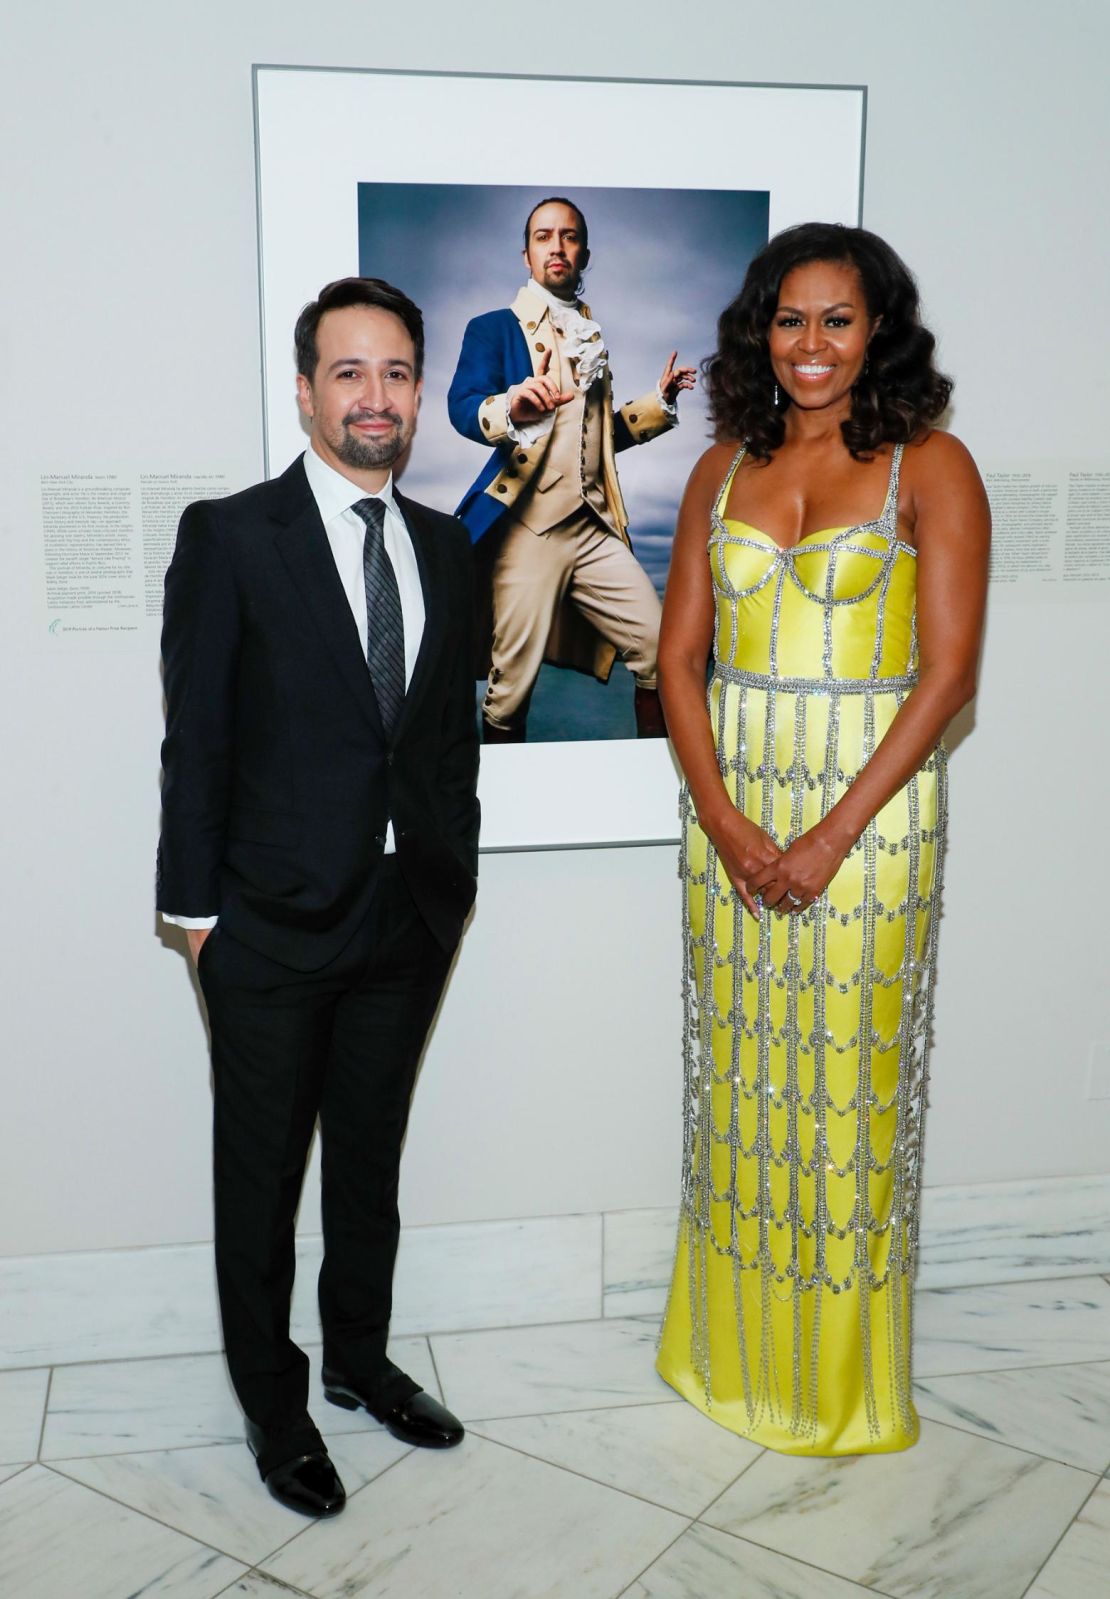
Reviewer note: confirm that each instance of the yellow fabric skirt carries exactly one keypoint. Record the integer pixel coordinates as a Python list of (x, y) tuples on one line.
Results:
[(790, 1312)]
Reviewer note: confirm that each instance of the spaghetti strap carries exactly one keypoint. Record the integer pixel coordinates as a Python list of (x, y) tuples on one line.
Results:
[(722, 497), (889, 516)]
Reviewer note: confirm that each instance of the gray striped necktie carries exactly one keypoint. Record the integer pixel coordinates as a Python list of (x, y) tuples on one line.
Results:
[(385, 627)]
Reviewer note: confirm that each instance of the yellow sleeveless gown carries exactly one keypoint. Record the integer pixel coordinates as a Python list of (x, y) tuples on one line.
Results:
[(790, 1312)]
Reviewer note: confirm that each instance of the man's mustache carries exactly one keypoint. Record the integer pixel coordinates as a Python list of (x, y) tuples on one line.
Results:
[(372, 416)]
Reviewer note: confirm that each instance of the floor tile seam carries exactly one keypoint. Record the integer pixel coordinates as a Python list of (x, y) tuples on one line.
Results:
[(810, 1565), (389, 1466), (117, 1360), (57, 1468), (1018, 1449), (147, 1515), (256, 1571), (654, 1561), (503, 1327), (998, 1371), (730, 1485), (519, 1326), (1088, 1274), (305, 1239), (1040, 1569), (1039, 1454), (427, 1333), (573, 1471), (45, 1412), (310, 1525), (1001, 1371), (166, 1449), (21, 1467), (576, 1410), (372, 1431), (584, 1476)]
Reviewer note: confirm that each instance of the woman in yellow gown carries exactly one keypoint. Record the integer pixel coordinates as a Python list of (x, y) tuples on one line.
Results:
[(831, 555)]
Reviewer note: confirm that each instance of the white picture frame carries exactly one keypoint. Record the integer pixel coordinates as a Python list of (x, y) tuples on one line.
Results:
[(321, 132)]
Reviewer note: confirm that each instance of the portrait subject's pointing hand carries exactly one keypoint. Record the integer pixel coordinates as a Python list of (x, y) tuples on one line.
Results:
[(537, 395), (675, 379)]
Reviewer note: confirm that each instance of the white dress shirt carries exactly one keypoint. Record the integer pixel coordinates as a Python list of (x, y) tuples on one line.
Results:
[(334, 495)]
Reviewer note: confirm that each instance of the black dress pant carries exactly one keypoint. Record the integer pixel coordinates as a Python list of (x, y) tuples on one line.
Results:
[(341, 1044)]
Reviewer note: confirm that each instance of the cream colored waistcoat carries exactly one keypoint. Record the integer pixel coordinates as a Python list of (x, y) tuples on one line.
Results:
[(572, 472)]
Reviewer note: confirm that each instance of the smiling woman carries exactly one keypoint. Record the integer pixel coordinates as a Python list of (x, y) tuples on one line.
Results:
[(897, 390), (841, 595)]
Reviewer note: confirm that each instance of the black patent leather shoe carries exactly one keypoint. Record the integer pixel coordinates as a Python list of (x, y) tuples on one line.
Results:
[(419, 1420), (307, 1483)]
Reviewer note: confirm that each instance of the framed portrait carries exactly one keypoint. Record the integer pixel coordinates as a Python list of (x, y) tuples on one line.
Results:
[(427, 180)]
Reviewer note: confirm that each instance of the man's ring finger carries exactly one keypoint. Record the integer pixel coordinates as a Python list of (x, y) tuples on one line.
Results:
[(793, 898)]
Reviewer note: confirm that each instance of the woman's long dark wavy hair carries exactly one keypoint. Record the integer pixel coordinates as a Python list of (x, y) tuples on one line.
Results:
[(899, 393)]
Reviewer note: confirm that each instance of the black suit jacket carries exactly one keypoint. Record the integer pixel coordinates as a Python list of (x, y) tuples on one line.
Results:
[(278, 776)]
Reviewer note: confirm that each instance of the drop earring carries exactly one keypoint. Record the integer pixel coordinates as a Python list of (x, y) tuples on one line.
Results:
[(776, 399)]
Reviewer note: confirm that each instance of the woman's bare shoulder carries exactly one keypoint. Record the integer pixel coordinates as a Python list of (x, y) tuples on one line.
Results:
[(938, 464), (711, 468), (938, 451), (944, 492)]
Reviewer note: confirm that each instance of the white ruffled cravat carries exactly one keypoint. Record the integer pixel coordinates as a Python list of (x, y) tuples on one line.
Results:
[(582, 344), (582, 340)]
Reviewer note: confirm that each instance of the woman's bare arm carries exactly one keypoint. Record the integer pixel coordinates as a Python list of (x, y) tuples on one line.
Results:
[(685, 642), (952, 531)]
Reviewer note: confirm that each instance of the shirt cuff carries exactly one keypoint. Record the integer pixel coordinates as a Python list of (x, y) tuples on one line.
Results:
[(189, 921), (670, 406), (532, 432)]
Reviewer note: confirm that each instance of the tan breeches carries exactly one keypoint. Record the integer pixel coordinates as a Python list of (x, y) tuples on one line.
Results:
[(576, 562)]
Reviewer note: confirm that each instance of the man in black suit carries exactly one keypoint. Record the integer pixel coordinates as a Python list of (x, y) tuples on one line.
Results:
[(319, 844)]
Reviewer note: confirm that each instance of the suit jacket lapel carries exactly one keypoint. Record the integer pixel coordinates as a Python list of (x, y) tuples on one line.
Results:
[(534, 317), (303, 546)]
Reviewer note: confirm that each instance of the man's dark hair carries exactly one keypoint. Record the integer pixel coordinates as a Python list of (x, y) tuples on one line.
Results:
[(558, 199), (898, 394), (337, 296)]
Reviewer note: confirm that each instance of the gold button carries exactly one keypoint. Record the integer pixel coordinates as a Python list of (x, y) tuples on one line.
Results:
[(486, 423), (490, 399), (541, 348), (531, 327)]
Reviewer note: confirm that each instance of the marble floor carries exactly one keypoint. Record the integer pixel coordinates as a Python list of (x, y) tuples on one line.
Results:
[(582, 1476)]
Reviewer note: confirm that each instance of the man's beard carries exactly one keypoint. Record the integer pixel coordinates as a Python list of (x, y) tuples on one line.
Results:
[(565, 286), (370, 454)]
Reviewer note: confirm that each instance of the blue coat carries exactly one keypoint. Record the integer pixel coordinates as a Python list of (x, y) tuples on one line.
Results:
[(494, 356)]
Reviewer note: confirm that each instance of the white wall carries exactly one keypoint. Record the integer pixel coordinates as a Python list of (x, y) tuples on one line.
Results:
[(129, 335)]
